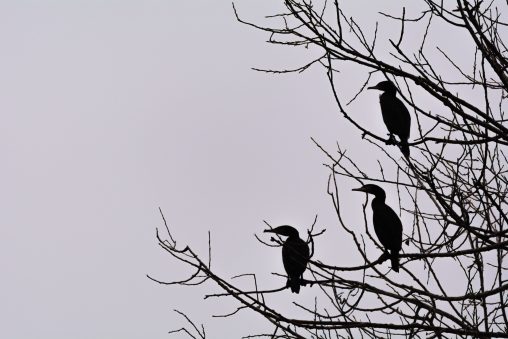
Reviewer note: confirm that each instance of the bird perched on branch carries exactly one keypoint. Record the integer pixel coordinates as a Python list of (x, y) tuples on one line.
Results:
[(295, 255), (386, 223), (395, 115)]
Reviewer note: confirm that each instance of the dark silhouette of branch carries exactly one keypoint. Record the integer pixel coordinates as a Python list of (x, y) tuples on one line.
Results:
[(450, 191)]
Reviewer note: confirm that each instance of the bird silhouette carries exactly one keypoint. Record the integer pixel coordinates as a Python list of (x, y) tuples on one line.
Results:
[(395, 115), (295, 255), (386, 223)]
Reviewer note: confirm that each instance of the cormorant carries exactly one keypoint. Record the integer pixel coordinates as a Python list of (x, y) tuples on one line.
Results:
[(386, 223), (295, 255), (395, 114)]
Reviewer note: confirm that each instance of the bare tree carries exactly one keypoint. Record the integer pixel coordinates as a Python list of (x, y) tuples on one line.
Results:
[(454, 185)]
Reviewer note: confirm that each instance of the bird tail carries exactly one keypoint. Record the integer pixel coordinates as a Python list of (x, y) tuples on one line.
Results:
[(294, 284), (404, 148), (394, 258)]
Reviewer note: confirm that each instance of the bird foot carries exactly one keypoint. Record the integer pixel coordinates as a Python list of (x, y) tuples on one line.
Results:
[(384, 256), (391, 140)]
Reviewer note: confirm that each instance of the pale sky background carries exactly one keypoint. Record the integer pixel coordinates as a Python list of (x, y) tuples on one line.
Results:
[(111, 109)]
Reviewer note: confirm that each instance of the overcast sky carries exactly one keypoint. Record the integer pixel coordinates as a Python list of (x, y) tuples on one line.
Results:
[(111, 109)]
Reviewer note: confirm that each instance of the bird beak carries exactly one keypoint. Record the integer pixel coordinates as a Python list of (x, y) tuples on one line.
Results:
[(269, 231), (361, 189), (372, 87)]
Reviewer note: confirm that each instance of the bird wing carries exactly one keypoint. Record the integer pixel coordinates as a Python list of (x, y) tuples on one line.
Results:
[(295, 256), (388, 227), (395, 116)]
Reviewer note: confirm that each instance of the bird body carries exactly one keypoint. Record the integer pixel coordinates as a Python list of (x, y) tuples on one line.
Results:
[(387, 224), (388, 229), (295, 255), (395, 114)]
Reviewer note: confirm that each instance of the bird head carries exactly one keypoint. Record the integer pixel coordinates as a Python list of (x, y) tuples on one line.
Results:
[(284, 230), (377, 191), (385, 86)]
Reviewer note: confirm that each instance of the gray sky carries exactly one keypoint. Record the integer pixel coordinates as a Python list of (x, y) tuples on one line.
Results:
[(114, 108)]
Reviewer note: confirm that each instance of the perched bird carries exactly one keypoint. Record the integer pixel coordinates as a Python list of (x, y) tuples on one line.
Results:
[(295, 255), (395, 114), (386, 223)]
